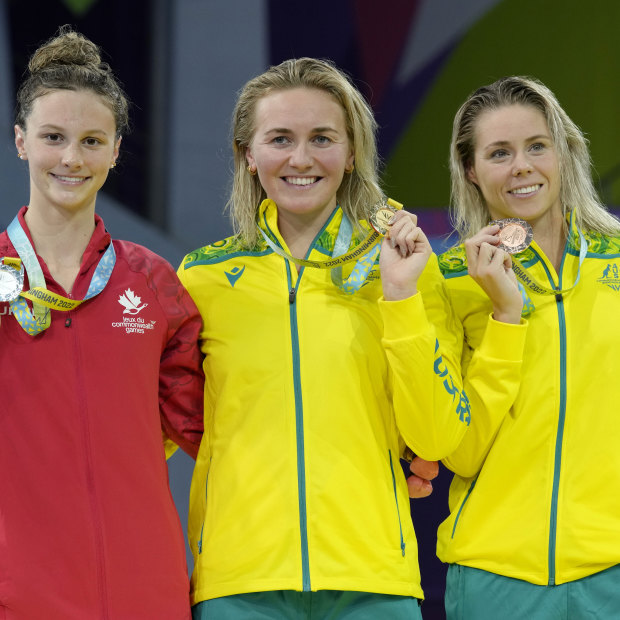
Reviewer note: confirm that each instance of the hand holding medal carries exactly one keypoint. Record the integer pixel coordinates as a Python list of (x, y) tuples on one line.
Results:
[(404, 251), (490, 265)]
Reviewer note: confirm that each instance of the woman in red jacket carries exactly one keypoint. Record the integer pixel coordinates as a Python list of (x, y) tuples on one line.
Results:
[(98, 357)]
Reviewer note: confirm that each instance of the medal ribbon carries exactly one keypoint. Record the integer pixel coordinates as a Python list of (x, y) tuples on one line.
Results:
[(42, 300), (365, 261), (362, 268), (534, 286)]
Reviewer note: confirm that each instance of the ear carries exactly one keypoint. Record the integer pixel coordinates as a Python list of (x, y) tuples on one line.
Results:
[(350, 161), (19, 140), (250, 158), (471, 174), (117, 147)]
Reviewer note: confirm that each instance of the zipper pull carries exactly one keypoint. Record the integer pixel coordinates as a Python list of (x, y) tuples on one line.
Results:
[(291, 296)]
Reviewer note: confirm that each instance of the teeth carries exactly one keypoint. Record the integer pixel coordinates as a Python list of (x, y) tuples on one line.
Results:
[(525, 190), (300, 180), (70, 179)]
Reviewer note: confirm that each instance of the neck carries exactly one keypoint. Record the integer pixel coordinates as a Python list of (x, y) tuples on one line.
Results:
[(61, 238), (299, 232), (551, 237)]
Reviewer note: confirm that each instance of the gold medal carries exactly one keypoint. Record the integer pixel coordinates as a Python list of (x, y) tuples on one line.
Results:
[(515, 235), (381, 218), (11, 282)]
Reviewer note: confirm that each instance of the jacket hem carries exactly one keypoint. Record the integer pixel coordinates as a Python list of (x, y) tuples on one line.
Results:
[(399, 588)]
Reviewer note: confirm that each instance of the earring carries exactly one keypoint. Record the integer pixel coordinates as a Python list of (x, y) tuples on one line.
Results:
[(20, 155), (113, 165), (252, 170)]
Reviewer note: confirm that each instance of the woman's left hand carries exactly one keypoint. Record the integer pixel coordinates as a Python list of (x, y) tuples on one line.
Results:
[(404, 254)]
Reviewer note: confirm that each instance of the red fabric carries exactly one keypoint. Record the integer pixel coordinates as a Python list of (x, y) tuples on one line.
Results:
[(88, 527)]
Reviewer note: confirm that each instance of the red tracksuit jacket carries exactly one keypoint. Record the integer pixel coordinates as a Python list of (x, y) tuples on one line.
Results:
[(88, 528)]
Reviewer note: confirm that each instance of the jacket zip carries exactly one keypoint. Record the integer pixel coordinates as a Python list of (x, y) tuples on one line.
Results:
[(299, 428), (90, 477), (553, 521), (557, 465), (400, 525), (299, 412)]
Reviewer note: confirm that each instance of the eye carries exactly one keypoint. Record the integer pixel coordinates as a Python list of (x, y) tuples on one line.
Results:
[(280, 140), (537, 147), (322, 140), (498, 154), (92, 141), (52, 137)]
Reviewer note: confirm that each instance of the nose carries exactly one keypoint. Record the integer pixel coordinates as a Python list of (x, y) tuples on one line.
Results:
[(522, 165), (72, 156), (300, 156)]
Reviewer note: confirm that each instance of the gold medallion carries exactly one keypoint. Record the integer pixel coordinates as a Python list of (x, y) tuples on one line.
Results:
[(381, 218)]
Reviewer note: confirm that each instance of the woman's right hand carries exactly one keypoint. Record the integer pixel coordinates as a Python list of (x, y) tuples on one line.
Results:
[(491, 268)]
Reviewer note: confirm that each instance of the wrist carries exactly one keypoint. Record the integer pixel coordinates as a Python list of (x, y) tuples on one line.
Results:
[(392, 292)]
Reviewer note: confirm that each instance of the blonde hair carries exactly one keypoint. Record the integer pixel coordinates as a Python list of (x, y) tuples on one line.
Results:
[(468, 209), (70, 61), (359, 190)]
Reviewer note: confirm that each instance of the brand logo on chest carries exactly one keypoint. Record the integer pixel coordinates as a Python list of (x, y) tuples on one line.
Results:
[(611, 277)]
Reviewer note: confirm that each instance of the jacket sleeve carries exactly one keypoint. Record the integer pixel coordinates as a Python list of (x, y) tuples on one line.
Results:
[(419, 337), (181, 379), (492, 376)]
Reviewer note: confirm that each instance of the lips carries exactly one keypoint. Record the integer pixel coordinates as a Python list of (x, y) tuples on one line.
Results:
[(69, 180), (301, 181), (530, 189)]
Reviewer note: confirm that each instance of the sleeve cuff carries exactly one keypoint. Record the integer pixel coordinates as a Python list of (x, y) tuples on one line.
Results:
[(504, 340), (403, 319)]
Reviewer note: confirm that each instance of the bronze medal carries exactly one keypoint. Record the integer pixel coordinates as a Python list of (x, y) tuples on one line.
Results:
[(515, 235), (381, 218)]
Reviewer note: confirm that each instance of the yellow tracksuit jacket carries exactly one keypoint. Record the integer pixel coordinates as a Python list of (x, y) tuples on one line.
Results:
[(536, 494), (310, 397)]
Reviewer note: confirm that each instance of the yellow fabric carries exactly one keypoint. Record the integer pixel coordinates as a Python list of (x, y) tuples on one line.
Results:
[(333, 382), (558, 427)]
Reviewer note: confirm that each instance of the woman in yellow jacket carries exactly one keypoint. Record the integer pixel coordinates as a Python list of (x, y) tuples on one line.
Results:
[(318, 369), (534, 529)]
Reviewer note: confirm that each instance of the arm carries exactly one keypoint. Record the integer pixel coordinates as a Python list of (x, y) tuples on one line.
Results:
[(431, 409), (181, 379), (492, 372), (492, 381)]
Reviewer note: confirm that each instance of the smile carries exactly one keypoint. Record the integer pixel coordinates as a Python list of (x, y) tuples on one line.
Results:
[(70, 180), (526, 190), (301, 180)]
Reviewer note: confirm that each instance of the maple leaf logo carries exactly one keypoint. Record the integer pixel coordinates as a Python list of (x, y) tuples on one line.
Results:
[(131, 302)]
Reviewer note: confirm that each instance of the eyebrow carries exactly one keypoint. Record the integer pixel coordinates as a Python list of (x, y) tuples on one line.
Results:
[(50, 127), (284, 130), (507, 142)]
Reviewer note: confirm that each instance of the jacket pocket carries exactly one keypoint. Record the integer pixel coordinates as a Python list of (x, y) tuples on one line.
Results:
[(400, 524), (204, 518), (458, 514)]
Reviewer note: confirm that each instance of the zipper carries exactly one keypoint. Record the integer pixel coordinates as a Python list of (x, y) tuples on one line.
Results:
[(557, 465), (458, 514), (400, 524), (299, 428), (299, 409), (90, 481)]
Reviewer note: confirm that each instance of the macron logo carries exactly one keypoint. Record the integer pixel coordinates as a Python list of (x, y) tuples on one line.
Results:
[(131, 302), (234, 275)]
